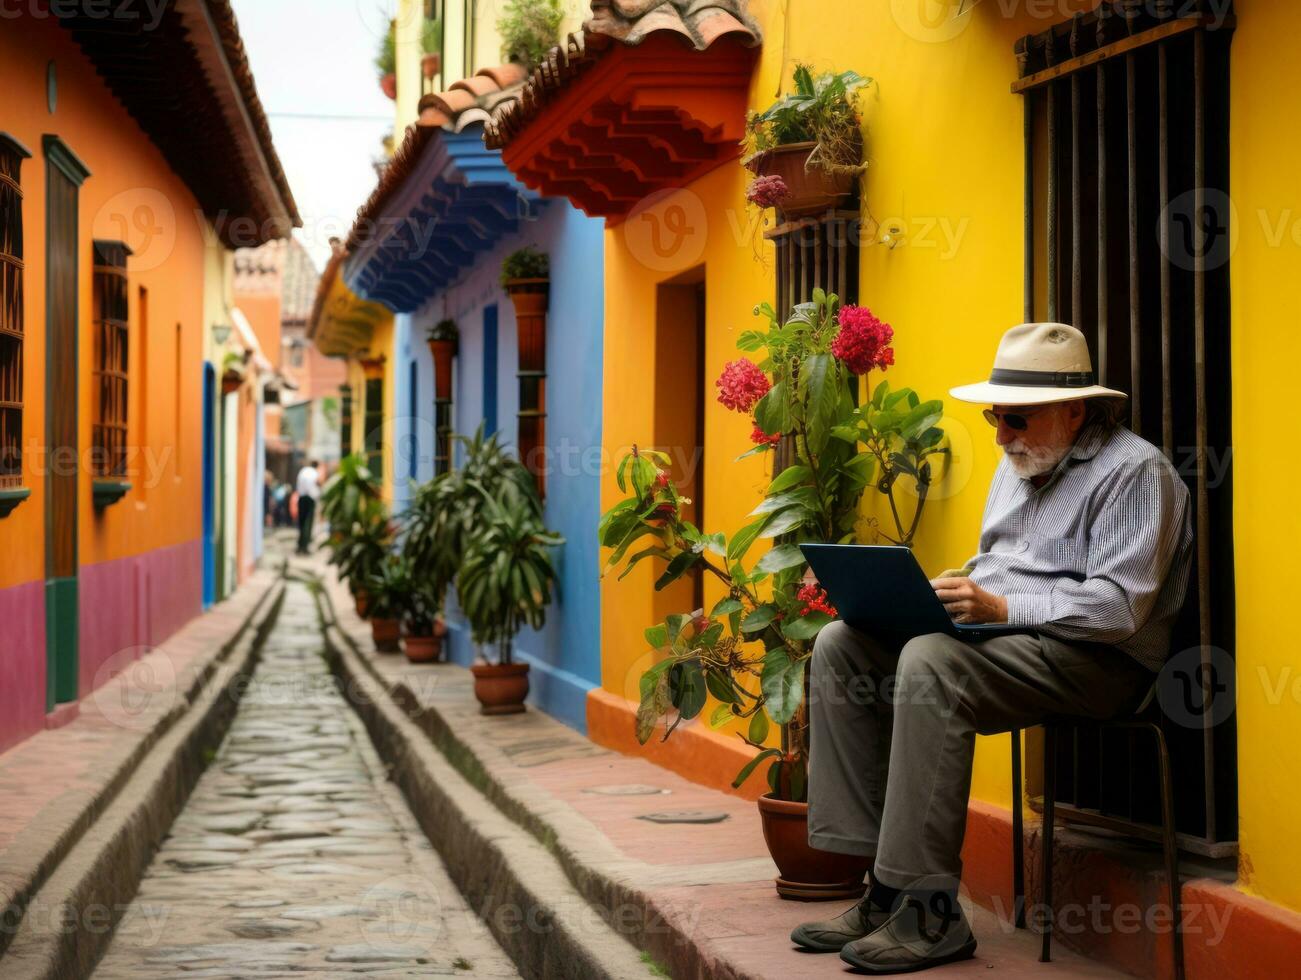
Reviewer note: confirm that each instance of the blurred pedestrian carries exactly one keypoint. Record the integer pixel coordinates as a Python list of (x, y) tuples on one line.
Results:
[(309, 491)]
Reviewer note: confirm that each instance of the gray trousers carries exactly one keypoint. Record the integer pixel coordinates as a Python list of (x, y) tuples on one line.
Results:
[(893, 732)]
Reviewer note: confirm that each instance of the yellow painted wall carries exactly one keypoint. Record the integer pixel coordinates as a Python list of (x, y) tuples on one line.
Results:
[(946, 166), (1265, 187)]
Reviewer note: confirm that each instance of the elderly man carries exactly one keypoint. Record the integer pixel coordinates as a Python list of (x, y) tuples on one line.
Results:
[(1084, 548)]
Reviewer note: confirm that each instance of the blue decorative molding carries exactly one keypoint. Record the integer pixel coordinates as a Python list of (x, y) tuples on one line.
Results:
[(458, 203)]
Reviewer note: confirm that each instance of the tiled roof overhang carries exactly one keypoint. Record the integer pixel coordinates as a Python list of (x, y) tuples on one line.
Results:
[(341, 323), (187, 82), (649, 95), (444, 199)]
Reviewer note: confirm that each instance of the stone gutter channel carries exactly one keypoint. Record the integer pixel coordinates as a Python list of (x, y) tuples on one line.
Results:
[(505, 865), (82, 860)]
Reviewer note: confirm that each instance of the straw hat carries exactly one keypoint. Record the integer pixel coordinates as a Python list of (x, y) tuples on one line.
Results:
[(1036, 364)]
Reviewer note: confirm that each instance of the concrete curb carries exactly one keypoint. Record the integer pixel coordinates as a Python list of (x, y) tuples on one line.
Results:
[(524, 896), (69, 920)]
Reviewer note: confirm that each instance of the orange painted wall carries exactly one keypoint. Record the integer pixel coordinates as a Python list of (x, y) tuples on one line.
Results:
[(263, 312), (131, 195)]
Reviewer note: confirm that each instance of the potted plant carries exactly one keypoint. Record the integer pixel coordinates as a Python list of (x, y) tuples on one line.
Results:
[(431, 44), (433, 532), (442, 338), (806, 149), (764, 626), (233, 373), (529, 29), (387, 61), (504, 584), (354, 511), (423, 625), (390, 590)]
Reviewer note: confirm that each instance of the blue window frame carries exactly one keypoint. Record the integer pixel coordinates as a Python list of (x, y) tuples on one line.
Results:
[(490, 368)]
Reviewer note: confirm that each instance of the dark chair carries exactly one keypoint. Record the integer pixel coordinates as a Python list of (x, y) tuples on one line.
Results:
[(1140, 721)]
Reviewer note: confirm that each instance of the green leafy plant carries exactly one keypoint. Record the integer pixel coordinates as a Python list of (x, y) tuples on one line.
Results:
[(386, 61), (443, 330), (389, 587), (360, 549), (506, 578), (529, 29), (820, 110), (751, 649), (350, 490), (431, 35), (526, 263)]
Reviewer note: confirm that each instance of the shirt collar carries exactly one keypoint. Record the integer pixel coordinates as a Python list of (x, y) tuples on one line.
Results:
[(1087, 445)]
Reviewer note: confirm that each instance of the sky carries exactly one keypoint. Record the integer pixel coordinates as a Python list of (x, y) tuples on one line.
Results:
[(313, 64)]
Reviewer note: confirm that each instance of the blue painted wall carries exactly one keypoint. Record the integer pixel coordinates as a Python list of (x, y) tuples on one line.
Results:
[(565, 654)]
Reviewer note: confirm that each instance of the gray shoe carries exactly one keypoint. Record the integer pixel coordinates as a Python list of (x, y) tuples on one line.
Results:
[(831, 935), (909, 940)]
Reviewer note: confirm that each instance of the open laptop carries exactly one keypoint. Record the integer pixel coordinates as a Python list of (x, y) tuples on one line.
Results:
[(882, 589)]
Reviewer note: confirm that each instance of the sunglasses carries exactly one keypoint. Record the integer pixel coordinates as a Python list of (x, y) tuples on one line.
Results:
[(1015, 421)]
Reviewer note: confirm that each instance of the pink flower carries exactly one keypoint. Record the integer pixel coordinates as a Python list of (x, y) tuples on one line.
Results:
[(767, 192), (863, 341), (741, 385), (761, 438)]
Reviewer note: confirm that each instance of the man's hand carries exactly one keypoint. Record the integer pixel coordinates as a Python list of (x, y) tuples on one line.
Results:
[(967, 602)]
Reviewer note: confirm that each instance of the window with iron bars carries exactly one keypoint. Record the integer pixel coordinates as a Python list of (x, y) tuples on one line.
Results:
[(12, 154), (111, 359), (1127, 237), (373, 422), (814, 253)]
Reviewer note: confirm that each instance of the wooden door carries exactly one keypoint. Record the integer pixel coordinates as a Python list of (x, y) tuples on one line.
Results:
[(64, 176)]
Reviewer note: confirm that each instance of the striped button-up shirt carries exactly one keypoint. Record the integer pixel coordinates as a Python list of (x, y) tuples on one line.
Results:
[(1100, 553)]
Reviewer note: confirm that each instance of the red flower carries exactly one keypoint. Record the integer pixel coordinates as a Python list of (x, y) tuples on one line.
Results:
[(767, 192), (863, 341), (759, 437), (815, 600), (741, 385), (661, 481)]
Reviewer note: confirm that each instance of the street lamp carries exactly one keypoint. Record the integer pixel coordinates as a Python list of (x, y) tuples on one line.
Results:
[(220, 333)]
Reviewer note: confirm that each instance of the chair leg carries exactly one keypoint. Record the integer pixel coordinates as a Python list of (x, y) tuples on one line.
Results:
[(1171, 848), (1046, 857), (1018, 835)]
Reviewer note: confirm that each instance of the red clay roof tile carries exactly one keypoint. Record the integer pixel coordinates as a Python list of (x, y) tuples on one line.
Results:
[(627, 22)]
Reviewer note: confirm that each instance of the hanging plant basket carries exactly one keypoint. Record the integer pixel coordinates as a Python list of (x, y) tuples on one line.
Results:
[(430, 64), (230, 382), (813, 190), (530, 298), (442, 341), (388, 84)]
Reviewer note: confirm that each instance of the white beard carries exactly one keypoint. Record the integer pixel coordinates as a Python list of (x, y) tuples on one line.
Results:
[(1029, 463)]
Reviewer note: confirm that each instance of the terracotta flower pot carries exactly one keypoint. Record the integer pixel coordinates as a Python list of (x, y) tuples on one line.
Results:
[(361, 599), (530, 298), (423, 649), (443, 351), (807, 874), (387, 634), (389, 85), (501, 688), (812, 190), (430, 64)]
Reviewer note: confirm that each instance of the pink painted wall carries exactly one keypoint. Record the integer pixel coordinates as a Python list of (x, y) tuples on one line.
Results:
[(22, 662), (134, 603)]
